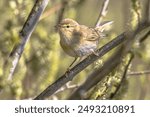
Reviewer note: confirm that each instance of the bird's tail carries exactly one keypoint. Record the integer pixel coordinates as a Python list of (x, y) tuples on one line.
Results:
[(103, 28)]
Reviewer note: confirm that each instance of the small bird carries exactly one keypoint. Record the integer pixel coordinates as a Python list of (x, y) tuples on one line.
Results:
[(79, 40)]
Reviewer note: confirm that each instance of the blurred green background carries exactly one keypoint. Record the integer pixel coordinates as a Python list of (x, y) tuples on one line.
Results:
[(43, 60)]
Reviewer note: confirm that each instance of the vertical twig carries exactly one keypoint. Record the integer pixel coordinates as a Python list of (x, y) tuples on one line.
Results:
[(149, 11), (26, 32), (146, 13), (103, 12), (62, 10)]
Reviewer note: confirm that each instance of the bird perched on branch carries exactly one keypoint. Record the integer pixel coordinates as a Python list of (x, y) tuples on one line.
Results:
[(79, 40)]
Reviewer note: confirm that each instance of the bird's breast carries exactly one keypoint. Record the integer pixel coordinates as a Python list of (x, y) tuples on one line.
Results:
[(68, 48), (85, 49)]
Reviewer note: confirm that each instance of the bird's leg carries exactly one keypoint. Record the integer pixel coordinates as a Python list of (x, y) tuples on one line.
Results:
[(72, 62), (68, 69)]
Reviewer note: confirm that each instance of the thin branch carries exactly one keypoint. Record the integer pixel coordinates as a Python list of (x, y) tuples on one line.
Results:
[(51, 11), (66, 87), (26, 32), (51, 89), (123, 77), (103, 12), (139, 73), (146, 14), (148, 11), (133, 36), (62, 10)]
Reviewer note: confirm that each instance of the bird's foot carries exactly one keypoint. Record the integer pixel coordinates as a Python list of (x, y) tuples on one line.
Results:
[(67, 72), (95, 53)]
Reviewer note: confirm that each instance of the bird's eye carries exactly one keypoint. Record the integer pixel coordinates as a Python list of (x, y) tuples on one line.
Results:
[(68, 26)]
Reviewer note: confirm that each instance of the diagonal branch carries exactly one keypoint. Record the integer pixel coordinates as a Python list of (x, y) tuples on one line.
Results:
[(26, 32), (51, 89)]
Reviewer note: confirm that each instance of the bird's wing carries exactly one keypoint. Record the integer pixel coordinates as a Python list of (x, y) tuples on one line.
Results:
[(93, 36), (89, 34)]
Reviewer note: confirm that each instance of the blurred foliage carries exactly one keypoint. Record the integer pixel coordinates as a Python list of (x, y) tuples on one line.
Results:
[(108, 87), (43, 60)]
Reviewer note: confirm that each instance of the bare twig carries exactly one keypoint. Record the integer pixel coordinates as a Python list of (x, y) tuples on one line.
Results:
[(139, 73), (51, 11), (103, 12), (26, 32), (51, 89), (146, 14), (62, 10), (66, 87), (148, 11), (123, 77)]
